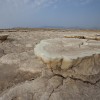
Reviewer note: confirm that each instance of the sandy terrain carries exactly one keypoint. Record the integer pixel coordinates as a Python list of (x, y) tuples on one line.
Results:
[(18, 64)]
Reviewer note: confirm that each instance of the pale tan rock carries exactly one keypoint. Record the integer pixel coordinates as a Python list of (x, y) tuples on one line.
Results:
[(36, 88), (19, 67), (29, 45), (1, 52), (3, 36), (54, 88), (31, 65), (25, 61), (16, 58)]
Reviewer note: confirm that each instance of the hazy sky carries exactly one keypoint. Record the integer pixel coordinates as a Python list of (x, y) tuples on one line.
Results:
[(55, 13)]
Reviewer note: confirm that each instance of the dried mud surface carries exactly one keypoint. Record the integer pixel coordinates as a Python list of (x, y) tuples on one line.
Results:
[(25, 77)]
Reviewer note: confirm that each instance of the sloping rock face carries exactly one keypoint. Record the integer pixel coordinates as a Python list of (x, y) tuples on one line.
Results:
[(72, 72)]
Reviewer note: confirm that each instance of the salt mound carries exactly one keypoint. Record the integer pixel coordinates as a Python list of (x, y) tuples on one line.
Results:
[(67, 57)]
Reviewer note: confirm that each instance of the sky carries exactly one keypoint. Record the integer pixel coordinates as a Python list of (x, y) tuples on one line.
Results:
[(50, 13)]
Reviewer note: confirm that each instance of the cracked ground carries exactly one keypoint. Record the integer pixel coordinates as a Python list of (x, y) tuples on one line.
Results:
[(25, 77)]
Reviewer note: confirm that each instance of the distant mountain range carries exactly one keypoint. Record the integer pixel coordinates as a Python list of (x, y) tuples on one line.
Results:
[(56, 27), (63, 27)]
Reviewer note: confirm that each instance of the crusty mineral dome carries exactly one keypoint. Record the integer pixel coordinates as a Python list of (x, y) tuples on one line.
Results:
[(80, 56)]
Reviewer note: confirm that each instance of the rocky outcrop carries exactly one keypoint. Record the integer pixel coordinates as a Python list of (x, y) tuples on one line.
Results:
[(79, 58)]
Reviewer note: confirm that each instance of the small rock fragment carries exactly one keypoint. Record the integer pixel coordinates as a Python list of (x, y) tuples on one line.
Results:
[(3, 36)]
